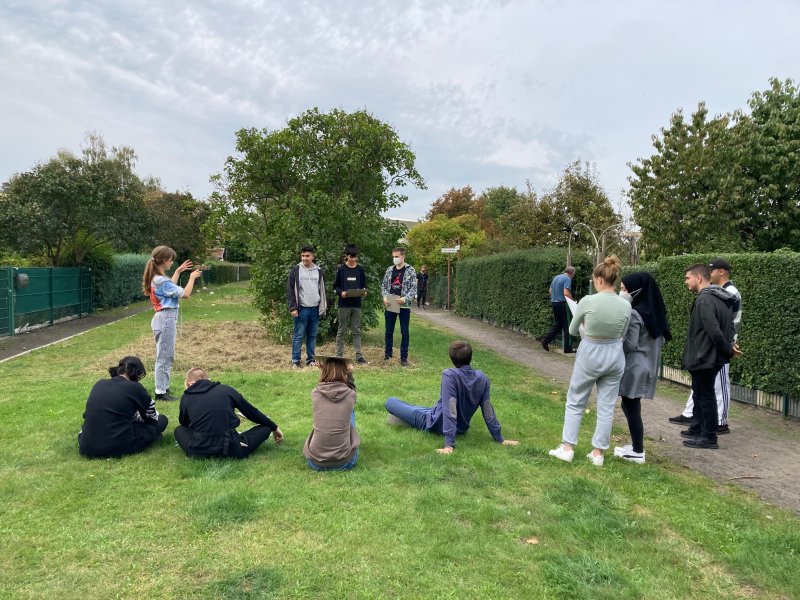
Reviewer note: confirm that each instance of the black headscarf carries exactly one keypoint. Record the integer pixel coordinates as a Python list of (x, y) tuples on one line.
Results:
[(648, 303)]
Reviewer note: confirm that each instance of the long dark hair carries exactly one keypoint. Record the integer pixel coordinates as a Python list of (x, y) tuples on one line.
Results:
[(131, 366)]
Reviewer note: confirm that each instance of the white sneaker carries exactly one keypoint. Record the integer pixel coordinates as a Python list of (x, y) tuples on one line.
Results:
[(562, 453), (597, 461), (620, 452), (627, 453)]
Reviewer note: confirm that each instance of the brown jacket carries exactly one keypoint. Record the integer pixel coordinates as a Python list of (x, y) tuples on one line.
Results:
[(333, 440)]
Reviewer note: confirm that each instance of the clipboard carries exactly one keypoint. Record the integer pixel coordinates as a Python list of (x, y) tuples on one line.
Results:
[(356, 293), (393, 305)]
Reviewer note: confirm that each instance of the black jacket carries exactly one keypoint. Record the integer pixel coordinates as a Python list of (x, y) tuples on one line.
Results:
[(109, 428), (293, 290), (349, 279), (709, 342), (207, 409)]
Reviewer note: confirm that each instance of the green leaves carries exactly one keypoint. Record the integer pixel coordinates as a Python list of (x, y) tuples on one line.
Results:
[(325, 179), (727, 183)]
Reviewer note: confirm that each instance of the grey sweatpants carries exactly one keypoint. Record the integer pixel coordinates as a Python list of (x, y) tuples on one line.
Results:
[(165, 328), (349, 317), (600, 362)]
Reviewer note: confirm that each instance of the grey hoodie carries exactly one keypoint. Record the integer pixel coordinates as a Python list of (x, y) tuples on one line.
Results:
[(709, 341), (333, 440)]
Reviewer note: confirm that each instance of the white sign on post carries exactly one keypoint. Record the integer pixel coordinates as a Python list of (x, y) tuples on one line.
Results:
[(449, 250)]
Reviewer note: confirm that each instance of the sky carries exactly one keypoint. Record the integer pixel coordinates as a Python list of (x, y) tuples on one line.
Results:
[(485, 93)]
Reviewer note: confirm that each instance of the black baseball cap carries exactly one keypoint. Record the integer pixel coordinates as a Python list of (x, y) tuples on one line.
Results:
[(719, 263)]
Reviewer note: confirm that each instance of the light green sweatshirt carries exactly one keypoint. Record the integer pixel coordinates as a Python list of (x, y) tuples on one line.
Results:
[(604, 315)]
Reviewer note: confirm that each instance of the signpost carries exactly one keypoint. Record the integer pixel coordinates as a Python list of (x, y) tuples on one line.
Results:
[(450, 252)]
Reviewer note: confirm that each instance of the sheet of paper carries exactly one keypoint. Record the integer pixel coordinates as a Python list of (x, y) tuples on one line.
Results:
[(393, 305), (573, 308)]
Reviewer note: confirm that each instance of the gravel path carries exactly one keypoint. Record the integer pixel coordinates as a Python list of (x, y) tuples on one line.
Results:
[(761, 452)]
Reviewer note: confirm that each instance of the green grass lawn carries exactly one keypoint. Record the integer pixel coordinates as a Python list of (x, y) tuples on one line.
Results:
[(488, 521)]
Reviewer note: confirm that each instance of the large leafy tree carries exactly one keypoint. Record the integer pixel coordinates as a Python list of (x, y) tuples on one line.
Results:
[(427, 239), (325, 179), (456, 202), (727, 183), (69, 205), (178, 220)]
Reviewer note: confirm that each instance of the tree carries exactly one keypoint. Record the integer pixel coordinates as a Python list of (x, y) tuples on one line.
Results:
[(725, 184), (680, 194), (178, 220), (456, 202), (427, 239), (325, 179), (70, 204), (578, 197), (770, 137)]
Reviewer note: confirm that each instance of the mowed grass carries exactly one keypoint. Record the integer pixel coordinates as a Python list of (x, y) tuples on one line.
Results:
[(487, 522)]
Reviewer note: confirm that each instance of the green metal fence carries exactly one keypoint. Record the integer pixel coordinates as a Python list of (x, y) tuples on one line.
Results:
[(49, 295)]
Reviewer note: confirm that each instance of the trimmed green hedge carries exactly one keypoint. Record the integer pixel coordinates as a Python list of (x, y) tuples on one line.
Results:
[(510, 289), (770, 319), (118, 282)]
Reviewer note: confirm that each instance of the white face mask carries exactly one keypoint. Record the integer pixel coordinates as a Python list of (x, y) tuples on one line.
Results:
[(397, 260), (625, 296)]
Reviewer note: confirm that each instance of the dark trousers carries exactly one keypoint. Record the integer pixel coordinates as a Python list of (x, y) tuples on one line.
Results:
[(391, 319), (421, 294), (632, 407), (705, 417), (253, 437), (144, 434), (559, 324)]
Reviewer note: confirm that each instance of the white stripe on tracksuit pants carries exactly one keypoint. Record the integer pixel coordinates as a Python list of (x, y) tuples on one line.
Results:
[(165, 327), (722, 388), (600, 362)]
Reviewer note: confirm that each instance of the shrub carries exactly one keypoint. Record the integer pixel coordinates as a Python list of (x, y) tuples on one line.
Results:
[(511, 289), (118, 282)]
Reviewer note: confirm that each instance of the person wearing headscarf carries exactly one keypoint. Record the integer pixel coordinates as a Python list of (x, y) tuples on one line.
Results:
[(648, 330)]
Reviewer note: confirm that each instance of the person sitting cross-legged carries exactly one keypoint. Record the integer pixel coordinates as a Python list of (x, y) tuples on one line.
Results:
[(208, 422), (463, 391)]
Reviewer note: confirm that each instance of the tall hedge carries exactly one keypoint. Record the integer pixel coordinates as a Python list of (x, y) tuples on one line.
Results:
[(119, 282), (510, 289), (770, 319)]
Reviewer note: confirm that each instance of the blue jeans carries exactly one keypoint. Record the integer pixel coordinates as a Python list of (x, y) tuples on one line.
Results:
[(415, 416), (345, 467), (391, 319), (306, 324)]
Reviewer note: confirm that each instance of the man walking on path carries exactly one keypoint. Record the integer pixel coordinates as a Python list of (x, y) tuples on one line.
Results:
[(399, 286), (422, 286), (560, 290), (350, 276), (709, 346), (305, 295), (720, 275)]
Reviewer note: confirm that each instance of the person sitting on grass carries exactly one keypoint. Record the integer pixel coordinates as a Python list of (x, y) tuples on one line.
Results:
[(120, 416), (333, 442), (463, 391), (208, 422)]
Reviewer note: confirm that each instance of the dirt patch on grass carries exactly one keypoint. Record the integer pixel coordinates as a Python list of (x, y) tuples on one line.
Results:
[(225, 346)]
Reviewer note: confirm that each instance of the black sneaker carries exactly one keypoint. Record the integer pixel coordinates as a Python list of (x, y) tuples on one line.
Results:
[(403, 362), (387, 358), (296, 365), (680, 420), (362, 361), (723, 429), (166, 397), (701, 443), (545, 346), (569, 351), (688, 433)]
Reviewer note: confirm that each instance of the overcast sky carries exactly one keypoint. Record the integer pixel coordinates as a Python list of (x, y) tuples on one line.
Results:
[(485, 93)]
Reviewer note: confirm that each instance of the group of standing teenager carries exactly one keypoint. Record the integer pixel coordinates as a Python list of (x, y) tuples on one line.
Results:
[(622, 336)]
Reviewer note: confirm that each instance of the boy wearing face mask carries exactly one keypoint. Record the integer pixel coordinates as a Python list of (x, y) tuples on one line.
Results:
[(399, 280)]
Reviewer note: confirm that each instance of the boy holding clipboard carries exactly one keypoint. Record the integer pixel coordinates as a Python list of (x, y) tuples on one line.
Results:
[(350, 285)]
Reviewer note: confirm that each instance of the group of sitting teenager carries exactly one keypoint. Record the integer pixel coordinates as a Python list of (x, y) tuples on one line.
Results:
[(121, 418)]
